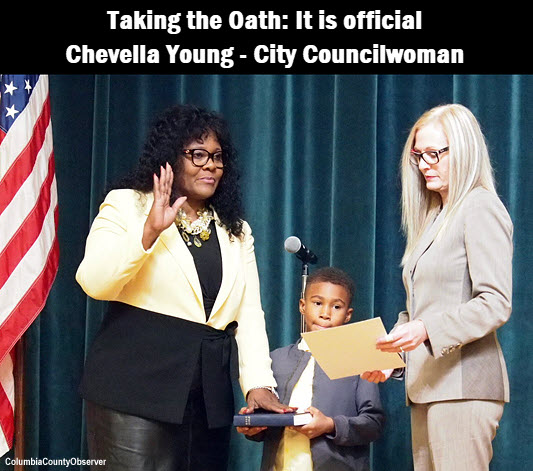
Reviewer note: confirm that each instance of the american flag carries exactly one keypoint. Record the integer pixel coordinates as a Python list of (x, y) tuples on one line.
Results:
[(29, 250)]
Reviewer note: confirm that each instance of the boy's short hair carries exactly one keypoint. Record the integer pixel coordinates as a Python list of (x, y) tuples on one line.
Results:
[(335, 276)]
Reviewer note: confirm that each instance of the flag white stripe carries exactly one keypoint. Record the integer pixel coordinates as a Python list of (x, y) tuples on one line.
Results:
[(33, 263), (6, 369), (7, 383), (26, 198)]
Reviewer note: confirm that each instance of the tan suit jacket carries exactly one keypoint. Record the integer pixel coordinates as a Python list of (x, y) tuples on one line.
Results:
[(163, 279), (459, 284)]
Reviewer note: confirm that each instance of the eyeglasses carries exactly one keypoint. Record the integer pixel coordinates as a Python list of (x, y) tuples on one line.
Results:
[(200, 157), (431, 157)]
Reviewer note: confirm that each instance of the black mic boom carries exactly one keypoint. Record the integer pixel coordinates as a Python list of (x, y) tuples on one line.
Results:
[(295, 246)]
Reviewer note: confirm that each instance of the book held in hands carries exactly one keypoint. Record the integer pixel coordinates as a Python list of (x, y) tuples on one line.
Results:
[(271, 419)]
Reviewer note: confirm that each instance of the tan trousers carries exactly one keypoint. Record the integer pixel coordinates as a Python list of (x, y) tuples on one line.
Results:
[(454, 435)]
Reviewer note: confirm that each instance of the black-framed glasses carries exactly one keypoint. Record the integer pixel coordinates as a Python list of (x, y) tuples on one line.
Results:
[(200, 157), (431, 157)]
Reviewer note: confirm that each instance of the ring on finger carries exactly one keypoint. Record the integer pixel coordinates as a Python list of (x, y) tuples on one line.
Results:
[(401, 349)]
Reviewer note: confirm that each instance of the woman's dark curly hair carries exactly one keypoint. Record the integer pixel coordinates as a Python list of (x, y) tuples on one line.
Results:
[(174, 129)]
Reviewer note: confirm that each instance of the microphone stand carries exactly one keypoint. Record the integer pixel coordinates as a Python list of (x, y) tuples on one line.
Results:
[(305, 274), (306, 257)]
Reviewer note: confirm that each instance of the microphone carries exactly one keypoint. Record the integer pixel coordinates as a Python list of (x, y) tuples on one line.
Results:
[(295, 246)]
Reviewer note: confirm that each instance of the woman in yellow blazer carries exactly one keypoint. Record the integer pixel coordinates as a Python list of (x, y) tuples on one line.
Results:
[(457, 273), (171, 253)]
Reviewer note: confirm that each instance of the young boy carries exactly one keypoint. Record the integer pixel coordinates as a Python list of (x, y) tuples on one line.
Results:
[(347, 412)]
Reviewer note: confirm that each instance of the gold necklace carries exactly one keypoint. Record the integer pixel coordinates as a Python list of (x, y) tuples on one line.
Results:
[(199, 227)]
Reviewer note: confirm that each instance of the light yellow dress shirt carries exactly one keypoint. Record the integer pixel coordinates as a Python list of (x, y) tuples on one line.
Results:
[(294, 452)]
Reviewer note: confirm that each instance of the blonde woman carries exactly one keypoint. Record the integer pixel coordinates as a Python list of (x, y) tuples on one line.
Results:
[(457, 273)]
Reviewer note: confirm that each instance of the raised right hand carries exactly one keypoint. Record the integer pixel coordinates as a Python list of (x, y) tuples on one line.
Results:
[(161, 214)]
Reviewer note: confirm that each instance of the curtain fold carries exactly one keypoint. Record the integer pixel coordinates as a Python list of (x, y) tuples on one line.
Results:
[(319, 158)]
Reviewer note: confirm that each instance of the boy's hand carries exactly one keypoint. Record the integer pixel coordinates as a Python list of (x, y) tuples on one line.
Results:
[(250, 431), (378, 376), (319, 425)]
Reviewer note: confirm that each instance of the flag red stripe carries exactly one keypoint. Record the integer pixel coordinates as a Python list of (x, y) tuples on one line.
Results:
[(7, 421), (23, 164), (31, 303), (29, 230), (2, 135), (7, 415)]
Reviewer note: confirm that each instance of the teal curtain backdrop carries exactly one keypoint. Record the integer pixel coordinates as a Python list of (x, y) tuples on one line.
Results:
[(320, 159)]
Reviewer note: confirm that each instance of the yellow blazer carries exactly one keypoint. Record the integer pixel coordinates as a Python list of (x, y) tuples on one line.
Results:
[(163, 279), (459, 284)]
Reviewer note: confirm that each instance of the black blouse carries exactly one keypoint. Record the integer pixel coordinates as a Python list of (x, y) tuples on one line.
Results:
[(208, 262)]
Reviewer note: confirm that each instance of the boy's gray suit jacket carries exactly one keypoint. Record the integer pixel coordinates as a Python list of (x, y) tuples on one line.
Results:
[(353, 403)]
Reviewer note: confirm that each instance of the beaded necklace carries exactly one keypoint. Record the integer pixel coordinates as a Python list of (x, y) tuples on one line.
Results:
[(199, 227)]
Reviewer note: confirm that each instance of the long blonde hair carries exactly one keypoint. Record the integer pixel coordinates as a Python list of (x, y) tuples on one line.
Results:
[(469, 168)]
